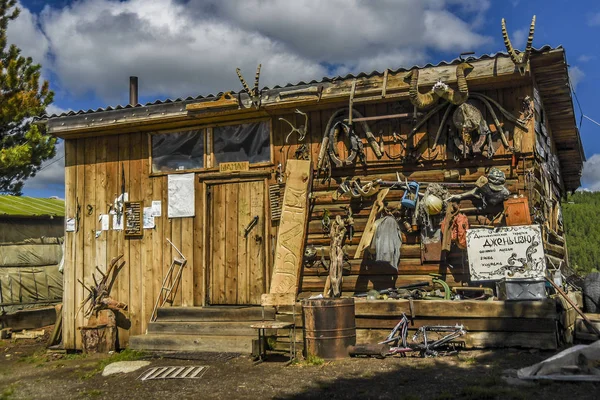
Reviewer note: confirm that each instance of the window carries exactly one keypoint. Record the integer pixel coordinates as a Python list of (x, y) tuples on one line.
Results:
[(246, 142), (178, 151)]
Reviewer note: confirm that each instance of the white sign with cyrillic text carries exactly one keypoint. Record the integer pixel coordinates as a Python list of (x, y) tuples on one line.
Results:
[(506, 252)]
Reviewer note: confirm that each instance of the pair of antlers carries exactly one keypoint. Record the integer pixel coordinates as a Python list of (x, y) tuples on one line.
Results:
[(522, 58), (254, 93)]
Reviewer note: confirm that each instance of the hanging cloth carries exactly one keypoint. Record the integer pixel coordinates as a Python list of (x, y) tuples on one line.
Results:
[(387, 241), (459, 230)]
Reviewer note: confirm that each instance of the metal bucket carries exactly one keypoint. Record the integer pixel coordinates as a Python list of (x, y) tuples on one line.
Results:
[(329, 327)]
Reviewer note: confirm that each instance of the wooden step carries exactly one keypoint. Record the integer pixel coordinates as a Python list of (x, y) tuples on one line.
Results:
[(199, 343), (228, 328), (202, 314)]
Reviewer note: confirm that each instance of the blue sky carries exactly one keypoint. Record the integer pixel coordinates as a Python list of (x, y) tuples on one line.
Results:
[(88, 48)]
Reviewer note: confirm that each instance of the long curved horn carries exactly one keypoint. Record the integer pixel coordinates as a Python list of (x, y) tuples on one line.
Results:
[(529, 46), (509, 48), (460, 96), (244, 84), (256, 89), (419, 100)]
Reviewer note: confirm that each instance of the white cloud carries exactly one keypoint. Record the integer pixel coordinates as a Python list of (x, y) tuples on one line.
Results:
[(519, 37), (576, 75), (26, 34), (54, 109), (590, 177), (594, 19), (586, 58), (180, 48)]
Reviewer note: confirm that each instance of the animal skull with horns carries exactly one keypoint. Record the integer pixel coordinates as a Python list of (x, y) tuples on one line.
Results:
[(521, 59)]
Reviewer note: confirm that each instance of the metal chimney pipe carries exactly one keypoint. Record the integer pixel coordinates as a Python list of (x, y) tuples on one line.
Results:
[(133, 90)]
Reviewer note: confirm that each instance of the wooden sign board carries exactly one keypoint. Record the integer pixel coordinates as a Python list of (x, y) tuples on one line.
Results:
[(292, 228), (132, 217), (512, 252), (234, 166)]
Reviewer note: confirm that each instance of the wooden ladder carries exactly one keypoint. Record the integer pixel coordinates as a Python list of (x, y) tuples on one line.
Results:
[(168, 290)]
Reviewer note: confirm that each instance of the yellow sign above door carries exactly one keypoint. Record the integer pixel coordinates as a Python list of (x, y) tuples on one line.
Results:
[(234, 166)]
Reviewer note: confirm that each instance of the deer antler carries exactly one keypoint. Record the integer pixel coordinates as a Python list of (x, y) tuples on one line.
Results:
[(520, 59)]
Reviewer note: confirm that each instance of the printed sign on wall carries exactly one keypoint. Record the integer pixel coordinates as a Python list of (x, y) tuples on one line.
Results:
[(506, 252)]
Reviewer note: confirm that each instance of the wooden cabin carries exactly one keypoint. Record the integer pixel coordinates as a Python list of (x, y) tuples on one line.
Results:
[(237, 145)]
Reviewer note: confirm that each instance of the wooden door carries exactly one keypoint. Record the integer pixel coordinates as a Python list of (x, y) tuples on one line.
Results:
[(236, 259)]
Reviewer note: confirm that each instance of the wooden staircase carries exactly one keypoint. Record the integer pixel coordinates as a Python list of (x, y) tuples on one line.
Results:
[(214, 328)]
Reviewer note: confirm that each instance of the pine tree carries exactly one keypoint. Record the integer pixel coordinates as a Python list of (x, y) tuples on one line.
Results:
[(23, 145)]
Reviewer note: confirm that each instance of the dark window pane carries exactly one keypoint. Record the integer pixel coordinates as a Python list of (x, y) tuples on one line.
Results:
[(245, 142), (178, 151)]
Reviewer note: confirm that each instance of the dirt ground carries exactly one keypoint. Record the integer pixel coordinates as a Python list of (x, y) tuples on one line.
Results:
[(27, 371)]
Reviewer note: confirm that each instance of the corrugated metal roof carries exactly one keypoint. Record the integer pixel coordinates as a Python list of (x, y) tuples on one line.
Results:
[(30, 206), (301, 83)]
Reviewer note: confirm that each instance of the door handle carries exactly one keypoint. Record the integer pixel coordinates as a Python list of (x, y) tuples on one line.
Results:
[(251, 225)]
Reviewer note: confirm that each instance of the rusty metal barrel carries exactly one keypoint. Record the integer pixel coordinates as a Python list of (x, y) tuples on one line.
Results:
[(329, 327)]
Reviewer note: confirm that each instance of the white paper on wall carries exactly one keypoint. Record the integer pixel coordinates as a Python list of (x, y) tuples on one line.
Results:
[(513, 252), (117, 222), (148, 218), (104, 222), (156, 208), (181, 195), (70, 225)]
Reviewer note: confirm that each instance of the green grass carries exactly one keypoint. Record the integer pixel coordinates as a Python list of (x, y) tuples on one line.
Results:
[(7, 393), (125, 355), (36, 358), (311, 359), (469, 360)]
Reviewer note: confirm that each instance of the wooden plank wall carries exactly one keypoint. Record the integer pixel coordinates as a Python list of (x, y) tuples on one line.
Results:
[(94, 170), (530, 324)]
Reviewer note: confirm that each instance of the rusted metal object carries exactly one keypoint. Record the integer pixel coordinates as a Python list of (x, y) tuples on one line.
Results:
[(329, 327)]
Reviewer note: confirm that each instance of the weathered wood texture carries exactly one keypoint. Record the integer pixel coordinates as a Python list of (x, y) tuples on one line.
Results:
[(292, 229), (96, 166), (94, 169)]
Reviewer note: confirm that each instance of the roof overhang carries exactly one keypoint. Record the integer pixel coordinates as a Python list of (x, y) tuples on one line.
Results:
[(550, 71)]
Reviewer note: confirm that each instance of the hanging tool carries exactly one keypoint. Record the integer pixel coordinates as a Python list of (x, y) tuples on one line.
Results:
[(251, 225)]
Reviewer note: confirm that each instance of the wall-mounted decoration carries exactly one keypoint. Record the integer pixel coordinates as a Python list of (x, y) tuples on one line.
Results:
[(336, 126), (132, 216), (181, 198), (254, 93), (490, 190), (472, 133), (520, 59), (276, 200), (506, 252)]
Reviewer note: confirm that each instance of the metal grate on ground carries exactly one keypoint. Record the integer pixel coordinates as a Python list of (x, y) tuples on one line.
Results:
[(179, 372)]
